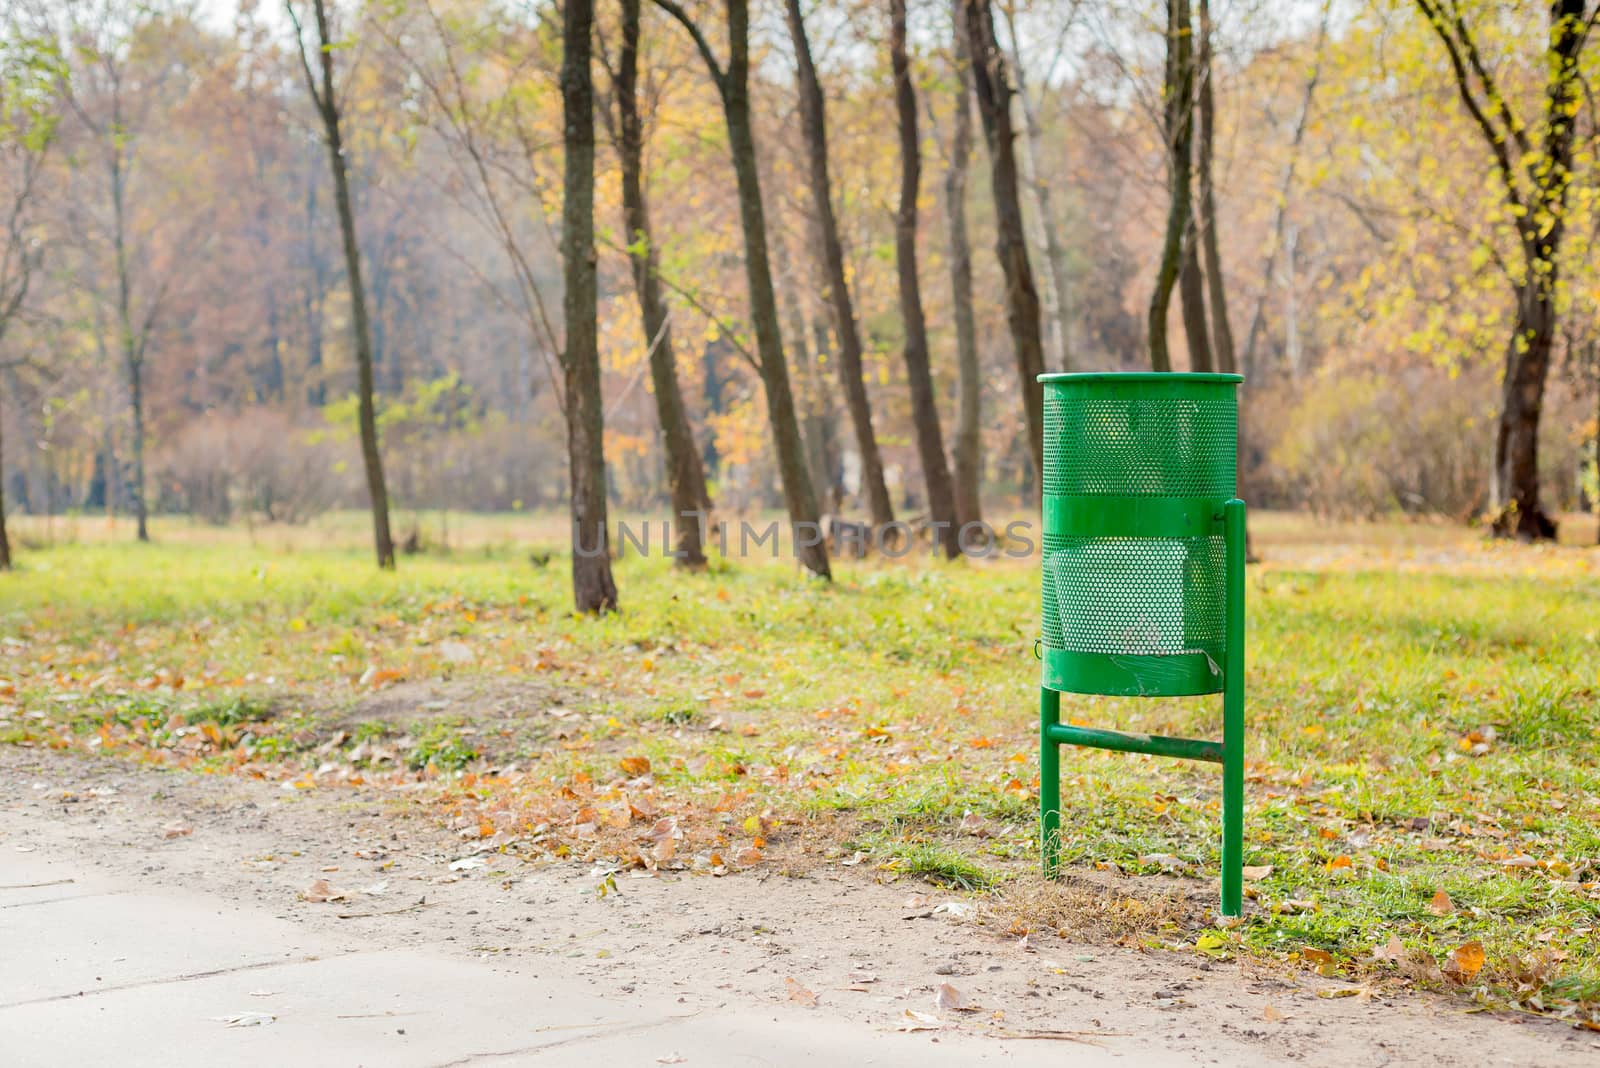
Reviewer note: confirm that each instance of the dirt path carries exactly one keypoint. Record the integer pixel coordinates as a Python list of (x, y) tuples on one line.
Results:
[(767, 942)]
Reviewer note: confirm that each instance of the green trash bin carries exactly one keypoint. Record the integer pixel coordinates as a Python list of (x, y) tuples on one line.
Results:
[(1142, 590)]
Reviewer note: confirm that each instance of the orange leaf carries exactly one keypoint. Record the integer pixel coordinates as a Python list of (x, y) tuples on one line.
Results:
[(800, 994), (1441, 905), (635, 765), (1464, 962)]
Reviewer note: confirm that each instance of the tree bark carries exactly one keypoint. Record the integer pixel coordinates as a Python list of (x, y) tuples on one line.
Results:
[(328, 107), (1177, 94), (924, 409), (1022, 297), (1222, 350), (1192, 295), (593, 589), (686, 480), (131, 339), (813, 120), (733, 86), (968, 451)]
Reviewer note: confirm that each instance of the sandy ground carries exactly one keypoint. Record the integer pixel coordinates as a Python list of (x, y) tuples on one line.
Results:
[(864, 951)]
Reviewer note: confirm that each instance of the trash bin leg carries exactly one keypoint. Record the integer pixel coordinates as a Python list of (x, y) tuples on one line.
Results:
[(1049, 783), (1233, 715)]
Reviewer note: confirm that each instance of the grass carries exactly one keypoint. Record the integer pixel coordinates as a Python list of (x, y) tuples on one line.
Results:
[(1423, 706)]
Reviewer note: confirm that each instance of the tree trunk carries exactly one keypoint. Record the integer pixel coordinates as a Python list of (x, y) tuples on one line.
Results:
[(593, 589), (968, 454), (814, 122), (734, 89), (1022, 298), (1177, 112), (1281, 209), (316, 386), (1522, 404), (328, 106), (1192, 295), (1048, 237), (686, 480), (1222, 351), (814, 413), (924, 409), (130, 338)]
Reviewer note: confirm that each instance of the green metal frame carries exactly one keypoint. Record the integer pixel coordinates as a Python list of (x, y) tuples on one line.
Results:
[(1111, 674)]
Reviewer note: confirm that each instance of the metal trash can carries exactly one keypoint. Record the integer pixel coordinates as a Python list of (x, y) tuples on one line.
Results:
[(1142, 585)]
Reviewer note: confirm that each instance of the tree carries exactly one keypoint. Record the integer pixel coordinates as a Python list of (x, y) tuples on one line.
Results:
[(967, 453), (924, 411), (1280, 210), (112, 102), (1177, 248), (813, 121), (593, 589), (28, 70), (1048, 240), (686, 479), (327, 104), (1022, 298), (1535, 171), (1222, 349), (733, 87)]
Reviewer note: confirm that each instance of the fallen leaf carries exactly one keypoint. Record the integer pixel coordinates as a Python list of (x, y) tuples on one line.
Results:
[(1392, 950), (1256, 872), (635, 765), (468, 863), (800, 994), (920, 1021), (1272, 1014), (321, 891), (1320, 957), (1441, 905), (1464, 962), (671, 1058), (246, 1019), (949, 998), (176, 830)]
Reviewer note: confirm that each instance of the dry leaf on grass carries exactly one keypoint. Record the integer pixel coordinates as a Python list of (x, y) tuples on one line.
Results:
[(800, 994), (1441, 905), (1256, 872), (1464, 962), (1393, 950), (635, 765)]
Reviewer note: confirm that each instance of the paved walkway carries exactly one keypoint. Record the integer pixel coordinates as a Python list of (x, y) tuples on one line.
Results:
[(93, 973)]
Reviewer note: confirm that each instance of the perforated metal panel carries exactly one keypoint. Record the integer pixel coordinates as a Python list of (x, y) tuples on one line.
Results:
[(1139, 446), (1134, 596)]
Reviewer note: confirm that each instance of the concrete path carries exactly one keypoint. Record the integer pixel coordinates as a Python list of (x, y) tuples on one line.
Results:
[(93, 973)]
